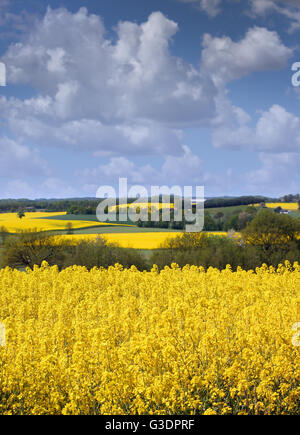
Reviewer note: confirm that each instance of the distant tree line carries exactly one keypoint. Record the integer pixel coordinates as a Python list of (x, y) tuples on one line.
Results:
[(48, 205), (89, 205), (237, 220), (290, 198), (241, 200), (71, 206), (219, 221)]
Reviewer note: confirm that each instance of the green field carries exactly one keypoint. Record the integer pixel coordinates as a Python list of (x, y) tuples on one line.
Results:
[(120, 229), (226, 210), (73, 217), (212, 211), (295, 213), (83, 217), (115, 227)]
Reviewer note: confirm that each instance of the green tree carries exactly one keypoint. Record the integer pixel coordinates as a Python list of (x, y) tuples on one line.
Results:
[(232, 223), (69, 228), (209, 223), (27, 248), (269, 229), (219, 216), (21, 214), (243, 219)]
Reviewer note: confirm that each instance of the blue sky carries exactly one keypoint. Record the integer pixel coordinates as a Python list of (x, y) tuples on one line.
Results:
[(168, 92)]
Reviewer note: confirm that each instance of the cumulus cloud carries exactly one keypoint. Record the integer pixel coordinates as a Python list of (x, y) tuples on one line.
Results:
[(131, 93), (259, 50), (127, 97), (118, 167), (131, 97), (139, 138), (184, 170), (188, 168), (276, 131), (228, 60)]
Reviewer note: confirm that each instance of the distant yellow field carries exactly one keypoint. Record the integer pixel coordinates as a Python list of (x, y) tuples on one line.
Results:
[(126, 240), (285, 205), (32, 215), (152, 240), (31, 221)]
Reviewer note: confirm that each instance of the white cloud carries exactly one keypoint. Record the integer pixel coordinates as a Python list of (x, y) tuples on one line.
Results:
[(18, 189), (93, 135), (14, 25), (211, 7), (184, 170), (17, 159), (118, 167), (288, 8), (276, 131), (259, 50), (260, 7), (49, 188), (127, 97), (131, 97), (134, 92), (274, 175)]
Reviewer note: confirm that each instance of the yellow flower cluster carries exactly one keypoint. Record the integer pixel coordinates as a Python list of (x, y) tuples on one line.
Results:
[(179, 341)]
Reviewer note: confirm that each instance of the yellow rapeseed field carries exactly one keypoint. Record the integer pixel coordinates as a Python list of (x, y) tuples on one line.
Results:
[(182, 341), (32, 220), (284, 205), (151, 240)]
